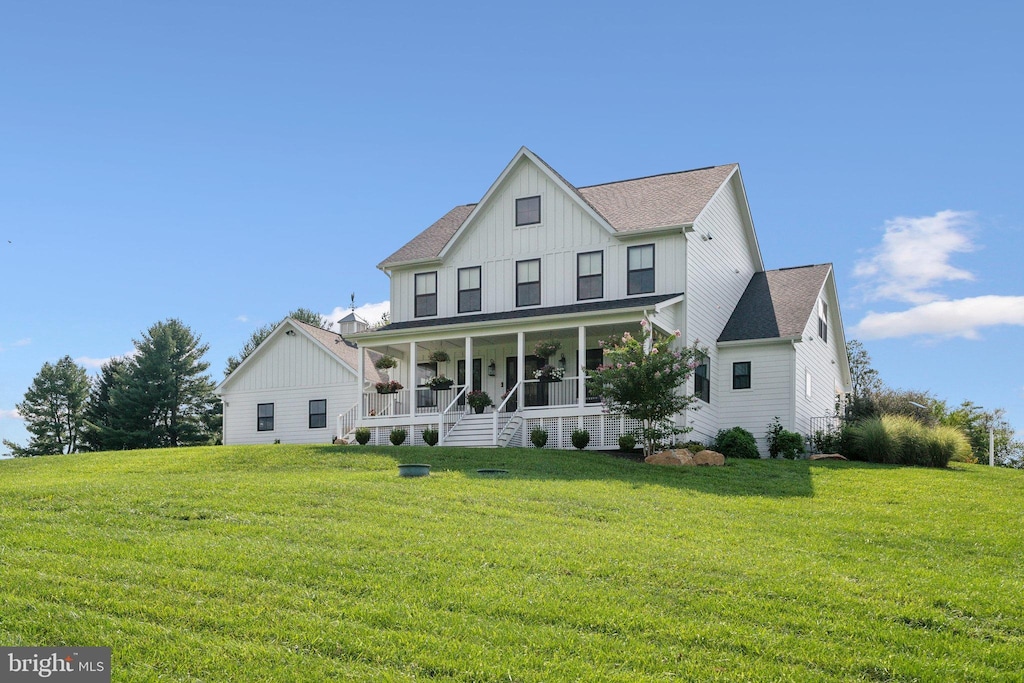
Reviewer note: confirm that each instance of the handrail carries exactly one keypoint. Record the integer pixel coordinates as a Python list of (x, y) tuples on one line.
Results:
[(347, 420), (501, 410), (450, 418)]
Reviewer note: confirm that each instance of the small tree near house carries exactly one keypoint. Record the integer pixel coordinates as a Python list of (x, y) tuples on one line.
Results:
[(642, 378)]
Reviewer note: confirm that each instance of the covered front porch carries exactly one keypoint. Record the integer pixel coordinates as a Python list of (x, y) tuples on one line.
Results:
[(532, 373)]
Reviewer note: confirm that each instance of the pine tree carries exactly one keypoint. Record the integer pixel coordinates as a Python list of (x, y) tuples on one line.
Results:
[(98, 415), (165, 399), (53, 410)]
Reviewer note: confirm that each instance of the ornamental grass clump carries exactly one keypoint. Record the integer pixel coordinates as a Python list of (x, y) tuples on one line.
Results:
[(641, 378), (901, 440)]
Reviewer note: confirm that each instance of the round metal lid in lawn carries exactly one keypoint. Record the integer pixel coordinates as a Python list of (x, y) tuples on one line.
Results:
[(492, 471)]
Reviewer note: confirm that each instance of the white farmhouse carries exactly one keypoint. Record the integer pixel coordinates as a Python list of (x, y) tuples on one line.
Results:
[(540, 260), (537, 259)]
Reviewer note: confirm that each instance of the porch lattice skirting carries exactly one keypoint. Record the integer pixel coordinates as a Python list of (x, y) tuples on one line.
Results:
[(604, 429)]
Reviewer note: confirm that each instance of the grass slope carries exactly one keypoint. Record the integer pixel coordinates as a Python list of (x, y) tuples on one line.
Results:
[(318, 563)]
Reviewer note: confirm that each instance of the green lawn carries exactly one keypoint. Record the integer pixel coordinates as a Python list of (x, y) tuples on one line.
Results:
[(319, 563)]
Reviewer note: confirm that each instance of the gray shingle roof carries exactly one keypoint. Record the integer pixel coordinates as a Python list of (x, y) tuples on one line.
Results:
[(776, 304), (337, 345), (589, 307), (628, 205)]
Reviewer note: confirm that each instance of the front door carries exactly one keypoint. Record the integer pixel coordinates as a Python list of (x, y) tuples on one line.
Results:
[(535, 393), (478, 377)]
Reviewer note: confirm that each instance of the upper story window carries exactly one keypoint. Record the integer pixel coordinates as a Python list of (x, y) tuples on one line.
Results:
[(265, 417), (823, 320), (702, 380), (318, 413), (741, 375), (640, 269), (528, 283), (426, 294), (528, 210), (590, 275), (469, 289)]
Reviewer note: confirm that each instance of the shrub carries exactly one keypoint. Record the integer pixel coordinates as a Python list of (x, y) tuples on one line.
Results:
[(430, 437), (791, 444), (539, 437), (736, 443), (695, 446), (580, 438), (830, 441), (363, 436), (627, 442), (398, 436), (901, 440)]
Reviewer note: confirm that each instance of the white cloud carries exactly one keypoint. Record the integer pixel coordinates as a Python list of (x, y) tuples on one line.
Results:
[(21, 342), (959, 318), (371, 313), (97, 363), (10, 414), (914, 257), (242, 318)]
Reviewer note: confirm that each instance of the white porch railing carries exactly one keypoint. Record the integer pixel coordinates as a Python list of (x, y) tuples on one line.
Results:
[(346, 421), (503, 414), (451, 415)]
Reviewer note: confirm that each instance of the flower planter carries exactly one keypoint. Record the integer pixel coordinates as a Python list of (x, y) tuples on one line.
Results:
[(386, 392), (549, 380), (480, 410), (414, 470), (441, 387)]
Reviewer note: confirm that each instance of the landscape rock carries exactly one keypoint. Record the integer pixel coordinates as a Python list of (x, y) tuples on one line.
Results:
[(828, 456), (677, 457), (709, 458)]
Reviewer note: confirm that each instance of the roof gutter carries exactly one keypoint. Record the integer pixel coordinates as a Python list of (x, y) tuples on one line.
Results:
[(755, 342)]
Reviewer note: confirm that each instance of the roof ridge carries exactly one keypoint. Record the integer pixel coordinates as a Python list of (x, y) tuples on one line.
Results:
[(656, 175), (809, 265)]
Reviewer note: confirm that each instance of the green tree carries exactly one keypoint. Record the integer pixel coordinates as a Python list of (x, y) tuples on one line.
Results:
[(642, 379), (165, 399), (974, 422), (98, 415), (303, 315), (864, 380), (53, 410)]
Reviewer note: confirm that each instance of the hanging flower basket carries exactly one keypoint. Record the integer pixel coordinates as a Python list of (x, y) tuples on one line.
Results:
[(549, 373), (547, 348), (385, 363), (439, 356), (440, 383), (391, 387)]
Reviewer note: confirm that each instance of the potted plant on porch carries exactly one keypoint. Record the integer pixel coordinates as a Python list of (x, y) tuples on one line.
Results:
[(440, 383), (478, 400)]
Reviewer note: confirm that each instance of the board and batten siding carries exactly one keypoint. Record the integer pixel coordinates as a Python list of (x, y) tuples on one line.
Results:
[(494, 243), (770, 393), (820, 361), (717, 273), (289, 372)]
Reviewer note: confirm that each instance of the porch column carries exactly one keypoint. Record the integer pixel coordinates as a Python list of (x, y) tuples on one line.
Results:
[(520, 369), (469, 366), (361, 370), (412, 379), (581, 383)]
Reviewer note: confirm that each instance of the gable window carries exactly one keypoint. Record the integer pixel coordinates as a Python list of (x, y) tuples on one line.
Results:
[(741, 375), (702, 380), (426, 294), (640, 269), (590, 275), (807, 383), (318, 414), (469, 289), (822, 320), (528, 210), (528, 283), (265, 417)]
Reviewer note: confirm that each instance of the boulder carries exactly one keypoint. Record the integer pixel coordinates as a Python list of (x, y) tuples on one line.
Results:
[(827, 456), (709, 458), (677, 457)]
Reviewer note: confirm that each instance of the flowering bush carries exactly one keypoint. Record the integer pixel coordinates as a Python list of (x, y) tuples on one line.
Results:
[(388, 387), (641, 378)]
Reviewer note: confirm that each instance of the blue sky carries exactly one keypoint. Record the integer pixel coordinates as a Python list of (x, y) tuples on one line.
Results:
[(225, 162)]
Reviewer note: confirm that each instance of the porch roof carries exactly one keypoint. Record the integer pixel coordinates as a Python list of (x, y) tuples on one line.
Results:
[(632, 303)]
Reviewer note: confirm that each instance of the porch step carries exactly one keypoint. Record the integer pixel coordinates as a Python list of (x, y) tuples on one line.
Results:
[(472, 430)]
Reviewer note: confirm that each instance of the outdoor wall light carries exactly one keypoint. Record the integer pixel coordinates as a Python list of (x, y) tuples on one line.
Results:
[(491, 369), (561, 362)]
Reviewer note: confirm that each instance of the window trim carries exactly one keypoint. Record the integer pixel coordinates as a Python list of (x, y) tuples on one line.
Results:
[(702, 383), (260, 418), (630, 271), (478, 290), (539, 210), (529, 282), (312, 414), (599, 276), (737, 376), (417, 296)]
